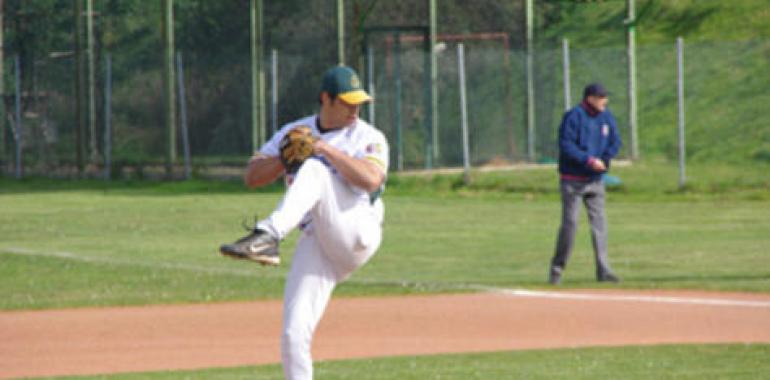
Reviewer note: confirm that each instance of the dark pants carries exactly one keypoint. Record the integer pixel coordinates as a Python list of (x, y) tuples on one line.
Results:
[(592, 195)]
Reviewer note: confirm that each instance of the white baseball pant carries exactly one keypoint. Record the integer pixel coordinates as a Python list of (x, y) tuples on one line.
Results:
[(344, 233)]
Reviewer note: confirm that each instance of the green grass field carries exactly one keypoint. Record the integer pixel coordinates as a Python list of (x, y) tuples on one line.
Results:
[(87, 243), (110, 245), (659, 362)]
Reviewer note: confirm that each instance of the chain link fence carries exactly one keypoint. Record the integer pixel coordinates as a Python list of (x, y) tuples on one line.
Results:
[(726, 86)]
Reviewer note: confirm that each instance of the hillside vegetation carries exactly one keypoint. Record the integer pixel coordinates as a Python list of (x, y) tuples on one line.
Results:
[(601, 23), (726, 56), (727, 77)]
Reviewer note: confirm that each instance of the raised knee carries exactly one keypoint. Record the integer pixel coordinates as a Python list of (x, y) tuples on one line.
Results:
[(313, 163)]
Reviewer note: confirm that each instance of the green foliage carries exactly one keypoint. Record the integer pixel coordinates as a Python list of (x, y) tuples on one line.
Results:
[(725, 100), (726, 74), (602, 23), (726, 54)]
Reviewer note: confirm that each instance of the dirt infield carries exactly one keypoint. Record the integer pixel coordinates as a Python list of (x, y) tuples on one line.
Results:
[(110, 340)]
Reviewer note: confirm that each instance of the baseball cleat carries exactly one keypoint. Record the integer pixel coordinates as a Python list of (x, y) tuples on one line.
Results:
[(257, 246), (607, 277), (554, 276)]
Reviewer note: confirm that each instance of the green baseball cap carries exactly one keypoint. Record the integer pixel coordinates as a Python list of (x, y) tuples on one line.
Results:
[(343, 82)]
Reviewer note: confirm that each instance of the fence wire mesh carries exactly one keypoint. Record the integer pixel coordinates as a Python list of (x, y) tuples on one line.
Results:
[(726, 83)]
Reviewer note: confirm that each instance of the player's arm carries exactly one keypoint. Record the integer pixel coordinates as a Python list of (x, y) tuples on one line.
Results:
[(262, 170), (568, 139), (358, 172)]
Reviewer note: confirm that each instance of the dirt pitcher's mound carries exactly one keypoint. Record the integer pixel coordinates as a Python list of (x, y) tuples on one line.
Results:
[(108, 340)]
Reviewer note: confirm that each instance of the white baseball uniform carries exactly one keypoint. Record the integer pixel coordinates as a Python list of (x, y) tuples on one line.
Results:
[(341, 229)]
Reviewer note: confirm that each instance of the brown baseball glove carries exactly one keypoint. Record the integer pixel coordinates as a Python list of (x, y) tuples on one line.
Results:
[(295, 147)]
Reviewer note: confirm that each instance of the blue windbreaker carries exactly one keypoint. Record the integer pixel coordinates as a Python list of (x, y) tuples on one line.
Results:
[(581, 137)]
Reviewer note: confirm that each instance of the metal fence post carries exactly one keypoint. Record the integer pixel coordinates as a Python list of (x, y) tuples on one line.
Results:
[(17, 130), (91, 81), (433, 31), (2, 95), (397, 105), (273, 93), (183, 116), (566, 76), (256, 34), (79, 122), (680, 97), (463, 113), (631, 42), (370, 76), (168, 84), (426, 93), (341, 32), (108, 118), (530, 85)]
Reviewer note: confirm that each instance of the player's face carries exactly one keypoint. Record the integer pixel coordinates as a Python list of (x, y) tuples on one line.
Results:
[(341, 114), (599, 103)]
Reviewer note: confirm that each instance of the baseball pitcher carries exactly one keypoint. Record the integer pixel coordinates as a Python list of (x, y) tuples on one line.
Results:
[(335, 166)]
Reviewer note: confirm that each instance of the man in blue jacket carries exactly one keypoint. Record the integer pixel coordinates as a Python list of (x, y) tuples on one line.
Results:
[(588, 140)]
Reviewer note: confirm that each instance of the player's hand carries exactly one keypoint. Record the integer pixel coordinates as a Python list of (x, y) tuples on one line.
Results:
[(598, 165), (320, 147)]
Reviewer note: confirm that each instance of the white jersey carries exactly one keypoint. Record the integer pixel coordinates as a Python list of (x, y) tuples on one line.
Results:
[(359, 140)]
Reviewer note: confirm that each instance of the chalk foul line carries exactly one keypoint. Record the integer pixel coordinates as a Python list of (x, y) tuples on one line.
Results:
[(629, 298), (116, 261), (515, 292)]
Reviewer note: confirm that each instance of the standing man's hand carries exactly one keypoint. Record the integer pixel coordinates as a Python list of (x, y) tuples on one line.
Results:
[(597, 165)]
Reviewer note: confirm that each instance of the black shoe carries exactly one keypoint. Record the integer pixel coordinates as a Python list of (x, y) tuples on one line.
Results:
[(258, 246), (554, 277), (607, 277)]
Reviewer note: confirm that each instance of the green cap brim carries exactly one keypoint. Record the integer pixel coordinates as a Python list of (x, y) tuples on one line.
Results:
[(355, 97)]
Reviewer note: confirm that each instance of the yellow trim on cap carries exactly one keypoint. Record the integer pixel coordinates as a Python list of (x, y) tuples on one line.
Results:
[(355, 97)]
